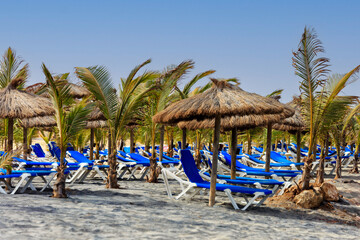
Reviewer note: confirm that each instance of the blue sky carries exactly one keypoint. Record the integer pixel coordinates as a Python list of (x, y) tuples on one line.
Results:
[(250, 40)]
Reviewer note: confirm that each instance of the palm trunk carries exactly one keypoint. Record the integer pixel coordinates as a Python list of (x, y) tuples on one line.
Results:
[(59, 190), (320, 173), (338, 162), (324, 153), (268, 147), (91, 144), (112, 173), (25, 143), (215, 161), (183, 143), (132, 149), (153, 173), (109, 144), (233, 152), (356, 159)]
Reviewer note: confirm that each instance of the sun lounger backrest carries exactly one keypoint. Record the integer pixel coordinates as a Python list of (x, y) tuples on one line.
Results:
[(228, 161), (138, 157), (38, 151), (190, 169), (79, 157)]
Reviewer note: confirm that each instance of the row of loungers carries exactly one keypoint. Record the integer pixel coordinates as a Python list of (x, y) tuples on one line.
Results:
[(251, 179)]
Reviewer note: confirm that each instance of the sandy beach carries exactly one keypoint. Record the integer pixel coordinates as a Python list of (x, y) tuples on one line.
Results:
[(143, 210)]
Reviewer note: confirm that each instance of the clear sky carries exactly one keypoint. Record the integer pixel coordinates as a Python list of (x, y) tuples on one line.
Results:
[(250, 40)]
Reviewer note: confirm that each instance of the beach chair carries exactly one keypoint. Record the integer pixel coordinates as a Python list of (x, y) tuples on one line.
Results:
[(131, 166), (98, 169), (196, 183), (26, 178)]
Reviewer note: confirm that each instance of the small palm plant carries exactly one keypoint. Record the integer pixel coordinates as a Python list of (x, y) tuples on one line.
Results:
[(117, 109), (318, 105), (68, 123)]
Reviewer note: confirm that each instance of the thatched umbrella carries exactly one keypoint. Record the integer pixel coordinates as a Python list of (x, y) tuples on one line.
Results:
[(45, 121), (223, 99), (15, 103), (76, 91), (293, 124)]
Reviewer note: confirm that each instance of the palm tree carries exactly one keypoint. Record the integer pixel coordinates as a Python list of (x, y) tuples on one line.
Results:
[(118, 110), (317, 104), (162, 95), (68, 124)]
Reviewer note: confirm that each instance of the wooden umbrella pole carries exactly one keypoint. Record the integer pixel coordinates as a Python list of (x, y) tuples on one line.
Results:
[(183, 139), (10, 134), (298, 143), (91, 143), (214, 161), (25, 144), (268, 147), (233, 152), (161, 150)]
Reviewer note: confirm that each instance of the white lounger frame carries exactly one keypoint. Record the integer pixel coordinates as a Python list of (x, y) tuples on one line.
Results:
[(186, 186)]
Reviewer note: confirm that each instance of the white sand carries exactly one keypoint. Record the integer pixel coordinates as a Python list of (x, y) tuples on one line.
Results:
[(143, 210)]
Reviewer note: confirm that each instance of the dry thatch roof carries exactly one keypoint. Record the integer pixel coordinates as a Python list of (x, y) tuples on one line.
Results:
[(96, 114), (16, 103), (76, 91), (96, 124), (224, 99), (230, 122), (293, 123), (46, 121)]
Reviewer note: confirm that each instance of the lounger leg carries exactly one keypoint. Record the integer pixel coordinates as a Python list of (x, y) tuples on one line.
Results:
[(286, 185), (256, 195), (132, 174), (99, 172), (184, 192), (144, 174), (32, 187), (232, 200), (193, 194), (83, 176), (2, 190), (167, 186), (76, 175), (27, 184), (24, 177), (48, 181)]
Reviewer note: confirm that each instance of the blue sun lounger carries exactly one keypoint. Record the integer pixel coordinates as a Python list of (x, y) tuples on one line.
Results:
[(197, 183), (26, 177), (98, 169), (259, 171), (131, 165)]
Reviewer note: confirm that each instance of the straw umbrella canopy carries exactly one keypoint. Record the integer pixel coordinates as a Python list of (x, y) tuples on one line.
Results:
[(45, 121), (15, 103), (76, 91), (221, 100), (293, 124)]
